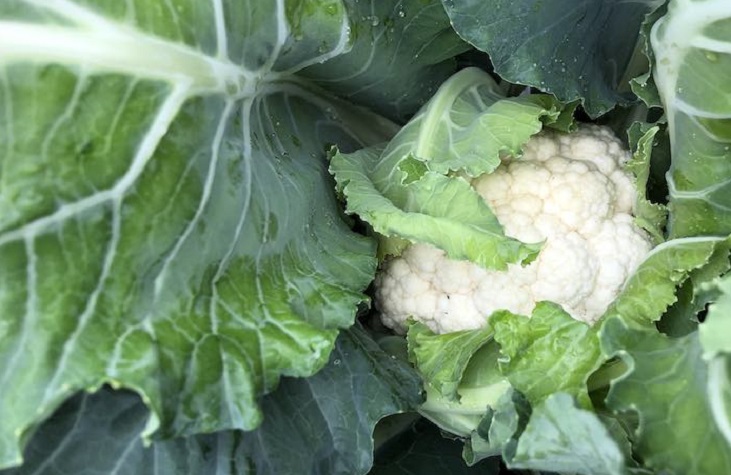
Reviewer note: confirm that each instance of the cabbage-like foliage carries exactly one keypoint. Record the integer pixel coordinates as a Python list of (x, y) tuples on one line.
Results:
[(330, 434), (577, 50), (713, 337), (692, 47), (523, 388), (167, 221), (178, 261), (416, 188)]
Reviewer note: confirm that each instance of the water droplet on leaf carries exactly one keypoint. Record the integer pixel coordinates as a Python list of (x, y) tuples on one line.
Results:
[(711, 56)]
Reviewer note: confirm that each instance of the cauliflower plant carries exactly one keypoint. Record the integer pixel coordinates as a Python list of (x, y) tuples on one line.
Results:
[(568, 190)]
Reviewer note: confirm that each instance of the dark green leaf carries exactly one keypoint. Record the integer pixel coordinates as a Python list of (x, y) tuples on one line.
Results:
[(401, 52), (573, 49), (424, 450), (319, 425)]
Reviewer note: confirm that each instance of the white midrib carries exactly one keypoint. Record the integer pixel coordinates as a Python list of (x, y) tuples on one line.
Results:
[(124, 51), (672, 37), (97, 46), (164, 118), (436, 111), (718, 384), (683, 30)]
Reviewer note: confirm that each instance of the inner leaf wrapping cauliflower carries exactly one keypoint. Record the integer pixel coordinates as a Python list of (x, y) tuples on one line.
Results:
[(568, 189)]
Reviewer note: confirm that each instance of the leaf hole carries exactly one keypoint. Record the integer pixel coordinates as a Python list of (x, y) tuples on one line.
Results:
[(703, 313)]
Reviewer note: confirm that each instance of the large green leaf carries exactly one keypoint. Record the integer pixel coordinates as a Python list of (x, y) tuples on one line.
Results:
[(403, 51), (666, 386), (716, 329), (573, 49), (692, 48), (714, 337), (324, 426), (406, 190), (167, 222), (562, 438)]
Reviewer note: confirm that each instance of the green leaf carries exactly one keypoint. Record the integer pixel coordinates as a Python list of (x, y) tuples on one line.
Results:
[(715, 331), (644, 88), (325, 423), (461, 376), (413, 169), (324, 426), (667, 387), (575, 50), (652, 288), (466, 127), (714, 337), (498, 431), (691, 70), (561, 437), (167, 221), (547, 353), (650, 216), (695, 294), (695, 261), (443, 359), (444, 211), (401, 52), (644, 85), (425, 450), (469, 124), (719, 394)]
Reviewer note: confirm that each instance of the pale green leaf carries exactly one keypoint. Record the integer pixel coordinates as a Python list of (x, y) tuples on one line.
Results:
[(547, 353), (715, 332), (652, 288), (466, 128), (692, 49), (563, 438), (667, 387), (443, 359)]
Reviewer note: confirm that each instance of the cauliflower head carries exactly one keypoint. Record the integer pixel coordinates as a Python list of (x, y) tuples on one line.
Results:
[(568, 190)]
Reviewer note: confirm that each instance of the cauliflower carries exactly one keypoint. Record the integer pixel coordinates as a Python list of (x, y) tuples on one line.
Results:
[(568, 190)]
